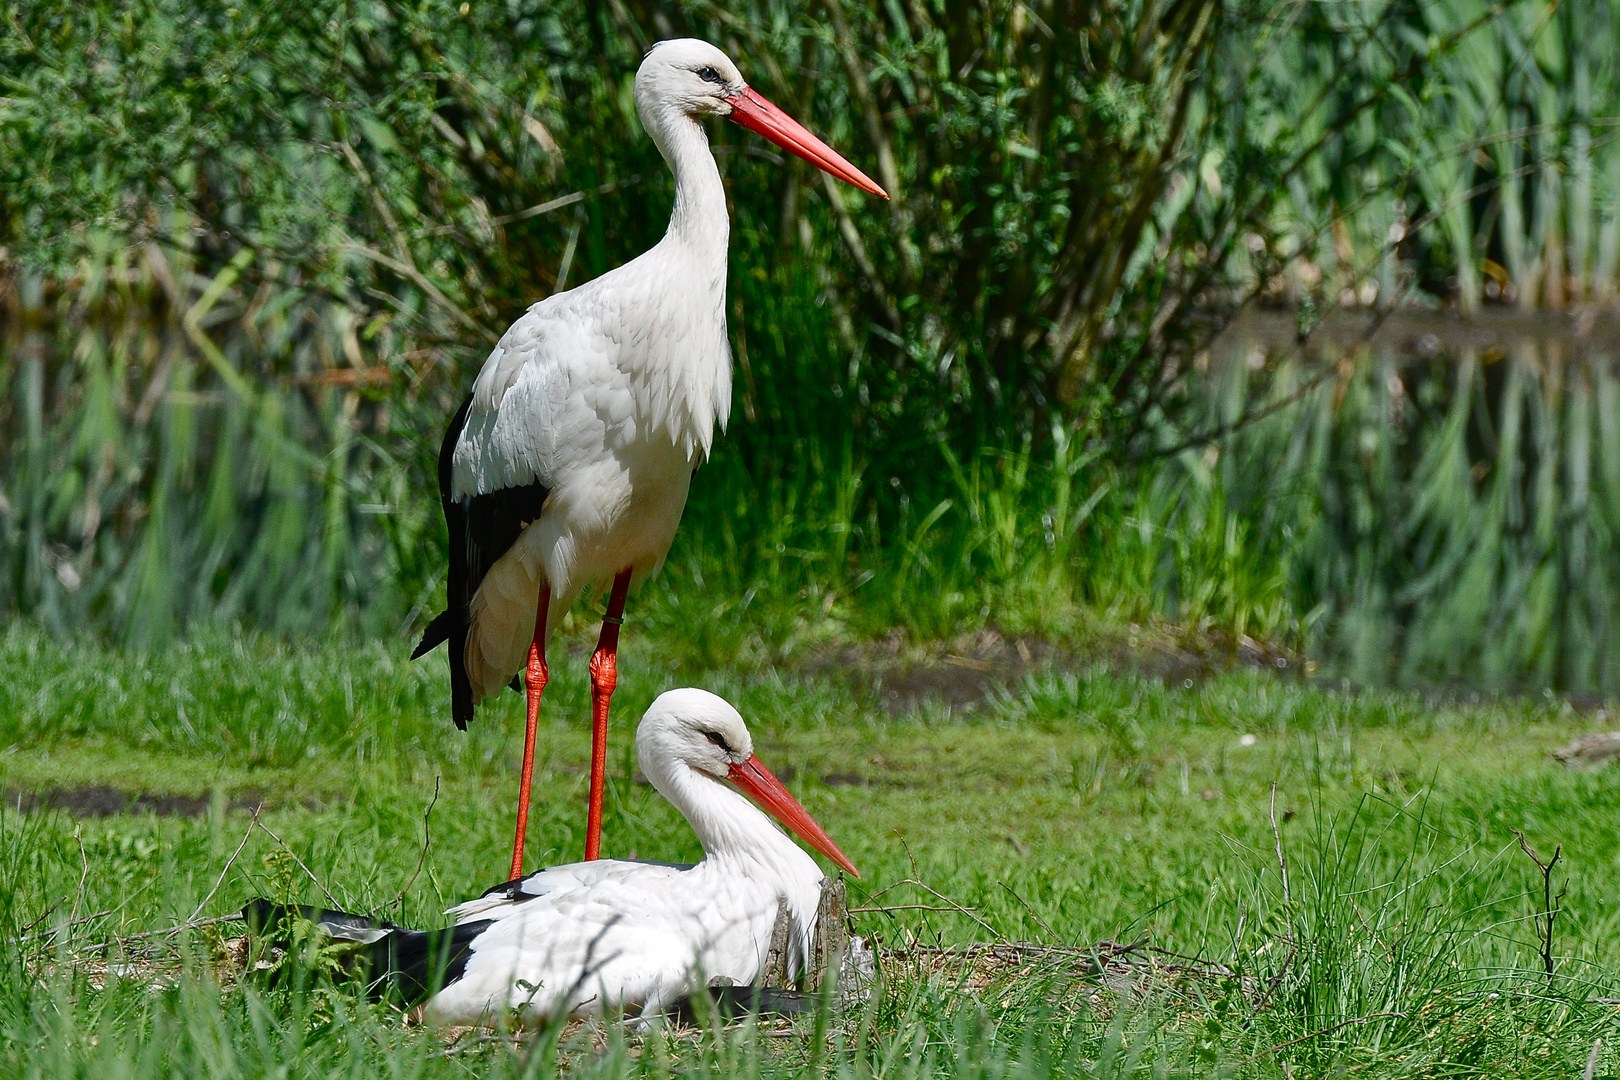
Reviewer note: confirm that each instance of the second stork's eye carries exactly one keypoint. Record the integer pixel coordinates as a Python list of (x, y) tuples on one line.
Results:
[(708, 74), (718, 740)]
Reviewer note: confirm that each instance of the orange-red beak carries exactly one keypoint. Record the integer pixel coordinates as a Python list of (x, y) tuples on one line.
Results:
[(755, 779), (756, 114)]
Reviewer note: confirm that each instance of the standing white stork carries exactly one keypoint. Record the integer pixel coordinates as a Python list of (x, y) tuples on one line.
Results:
[(569, 463), (616, 935)]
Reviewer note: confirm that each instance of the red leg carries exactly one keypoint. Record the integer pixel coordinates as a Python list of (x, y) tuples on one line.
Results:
[(534, 682), (604, 677)]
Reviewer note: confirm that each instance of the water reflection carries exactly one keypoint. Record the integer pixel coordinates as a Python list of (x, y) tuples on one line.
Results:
[(1455, 484)]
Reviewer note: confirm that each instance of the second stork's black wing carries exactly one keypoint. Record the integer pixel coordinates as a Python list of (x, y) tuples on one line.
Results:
[(409, 966), (482, 528)]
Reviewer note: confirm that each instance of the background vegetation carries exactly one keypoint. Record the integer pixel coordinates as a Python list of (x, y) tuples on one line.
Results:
[(1276, 319)]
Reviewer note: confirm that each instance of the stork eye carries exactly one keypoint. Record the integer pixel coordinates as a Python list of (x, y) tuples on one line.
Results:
[(718, 740), (708, 74)]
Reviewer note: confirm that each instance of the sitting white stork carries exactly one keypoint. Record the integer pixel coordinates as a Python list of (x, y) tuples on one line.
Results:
[(615, 935), (569, 463)]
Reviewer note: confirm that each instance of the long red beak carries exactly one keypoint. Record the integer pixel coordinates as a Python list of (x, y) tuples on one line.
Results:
[(756, 114), (755, 779)]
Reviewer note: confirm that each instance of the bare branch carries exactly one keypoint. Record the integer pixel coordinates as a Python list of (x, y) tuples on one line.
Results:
[(227, 867)]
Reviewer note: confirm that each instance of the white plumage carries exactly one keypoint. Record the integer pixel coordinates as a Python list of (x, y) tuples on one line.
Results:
[(608, 394), (569, 463), (597, 937)]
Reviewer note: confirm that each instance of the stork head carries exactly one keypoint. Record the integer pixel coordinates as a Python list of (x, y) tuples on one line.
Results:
[(690, 75), (701, 731), (693, 77)]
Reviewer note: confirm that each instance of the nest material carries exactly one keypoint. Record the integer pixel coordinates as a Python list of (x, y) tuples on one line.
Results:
[(1117, 967), (1590, 751)]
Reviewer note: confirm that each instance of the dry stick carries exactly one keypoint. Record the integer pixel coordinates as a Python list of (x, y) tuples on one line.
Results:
[(53, 931), (464, 1045), (1040, 922), (427, 845), (564, 200), (1591, 1060), (23, 933), (1293, 950), (401, 248), (910, 858), (941, 896), (1550, 903), (421, 281), (1281, 861), (310, 873), (227, 868), (102, 914), (84, 875), (235, 916), (1098, 956)]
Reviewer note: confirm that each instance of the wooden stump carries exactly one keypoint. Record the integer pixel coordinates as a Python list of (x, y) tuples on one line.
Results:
[(829, 943)]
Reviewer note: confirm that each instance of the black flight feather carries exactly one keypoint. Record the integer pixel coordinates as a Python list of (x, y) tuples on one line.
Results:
[(482, 528), (408, 966)]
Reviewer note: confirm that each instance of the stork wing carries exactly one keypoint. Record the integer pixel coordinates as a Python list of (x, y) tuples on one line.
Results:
[(481, 528), (501, 900), (590, 937)]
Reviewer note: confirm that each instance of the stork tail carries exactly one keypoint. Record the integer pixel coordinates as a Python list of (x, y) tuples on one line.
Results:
[(408, 966)]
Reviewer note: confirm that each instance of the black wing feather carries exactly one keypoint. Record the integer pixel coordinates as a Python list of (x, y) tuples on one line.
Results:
[(395, 962), (482, 529)]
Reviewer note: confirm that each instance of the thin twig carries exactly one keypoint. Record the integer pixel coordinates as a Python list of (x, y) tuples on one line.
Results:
[(84, 874), (910, 858), (1097, 957), (464, 1045), (1282, 862), (564, 200), (1591, 1060), (1550, 903), (310, 873), (936, 894), (401, 249), (227, 868), (1040, 922), (427, 845), (53, 931), (23, 933), (235, 916), (421, 281)]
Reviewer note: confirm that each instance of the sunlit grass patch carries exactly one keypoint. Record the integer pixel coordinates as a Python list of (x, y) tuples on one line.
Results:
[(1073, 808)]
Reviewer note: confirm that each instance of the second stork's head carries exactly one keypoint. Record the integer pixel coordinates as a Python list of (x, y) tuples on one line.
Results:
[(690, 77), (692, 735)]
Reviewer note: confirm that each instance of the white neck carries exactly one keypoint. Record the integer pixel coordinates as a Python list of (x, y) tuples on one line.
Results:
[(699, 221), (730, 828)]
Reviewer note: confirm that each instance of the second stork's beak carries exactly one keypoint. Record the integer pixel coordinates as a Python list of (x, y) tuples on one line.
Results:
[(756, 780), (756, 114)]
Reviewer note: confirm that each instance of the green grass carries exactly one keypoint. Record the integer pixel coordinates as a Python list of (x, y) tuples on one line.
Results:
[(1071, 808)]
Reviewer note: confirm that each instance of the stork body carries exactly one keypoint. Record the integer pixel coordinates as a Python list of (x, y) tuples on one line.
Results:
[(616, 935), (569, 463), (607, 397)]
